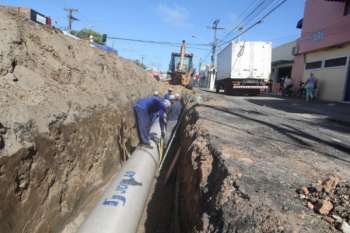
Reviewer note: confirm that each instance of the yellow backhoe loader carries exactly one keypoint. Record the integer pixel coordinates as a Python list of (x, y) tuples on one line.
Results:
[(180, 68)]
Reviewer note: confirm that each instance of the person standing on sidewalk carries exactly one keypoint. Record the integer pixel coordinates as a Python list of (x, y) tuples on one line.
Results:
[(310, 87)]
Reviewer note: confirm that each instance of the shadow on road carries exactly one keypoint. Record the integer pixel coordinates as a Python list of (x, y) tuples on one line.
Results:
[(331, 110), (293, 133)]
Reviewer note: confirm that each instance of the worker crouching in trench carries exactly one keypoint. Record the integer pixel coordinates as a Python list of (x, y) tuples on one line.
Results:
[(145, 111), (150, 108)]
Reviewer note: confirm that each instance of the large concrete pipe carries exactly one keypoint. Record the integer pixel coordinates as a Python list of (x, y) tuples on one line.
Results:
[(122, 205)]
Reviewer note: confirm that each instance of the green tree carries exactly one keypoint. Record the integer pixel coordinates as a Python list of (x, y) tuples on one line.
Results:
[(85, 34)]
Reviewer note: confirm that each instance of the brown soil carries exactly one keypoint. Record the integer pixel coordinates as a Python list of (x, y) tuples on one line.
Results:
[(66, 124)]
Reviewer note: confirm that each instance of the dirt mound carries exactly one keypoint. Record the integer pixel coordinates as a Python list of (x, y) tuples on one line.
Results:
[(66, 122)]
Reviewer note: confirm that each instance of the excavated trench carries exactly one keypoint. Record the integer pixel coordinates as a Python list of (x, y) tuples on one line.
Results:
[(212, 189), (76, 160), (58, 175), (187, 192)]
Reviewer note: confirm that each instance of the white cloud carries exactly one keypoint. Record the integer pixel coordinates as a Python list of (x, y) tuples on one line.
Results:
[(174, 15)]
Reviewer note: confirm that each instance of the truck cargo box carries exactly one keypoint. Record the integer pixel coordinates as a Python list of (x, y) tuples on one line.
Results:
[(244, 65)]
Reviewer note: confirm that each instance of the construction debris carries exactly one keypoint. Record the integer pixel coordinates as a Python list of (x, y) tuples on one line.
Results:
[(330, 198)]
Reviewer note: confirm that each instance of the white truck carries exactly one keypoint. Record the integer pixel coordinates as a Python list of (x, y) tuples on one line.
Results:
[(244, 67)]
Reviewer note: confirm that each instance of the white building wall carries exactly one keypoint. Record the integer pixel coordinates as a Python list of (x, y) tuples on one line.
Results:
[(283, 52)]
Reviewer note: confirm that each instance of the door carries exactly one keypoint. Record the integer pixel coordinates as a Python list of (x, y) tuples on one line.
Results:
[(347, 85)]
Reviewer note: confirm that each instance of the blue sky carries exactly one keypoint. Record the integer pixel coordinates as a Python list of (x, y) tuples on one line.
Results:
[(168, 21)]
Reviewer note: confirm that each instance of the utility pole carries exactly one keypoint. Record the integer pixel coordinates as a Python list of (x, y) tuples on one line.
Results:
[(70, 17), (215, 28)]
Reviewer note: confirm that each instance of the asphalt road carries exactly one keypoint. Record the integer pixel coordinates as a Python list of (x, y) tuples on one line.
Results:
[(316, 126), (277, 146)]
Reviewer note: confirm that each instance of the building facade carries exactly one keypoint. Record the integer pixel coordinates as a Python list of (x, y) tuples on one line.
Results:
[(324, 48), (206, 77), (282, 63)]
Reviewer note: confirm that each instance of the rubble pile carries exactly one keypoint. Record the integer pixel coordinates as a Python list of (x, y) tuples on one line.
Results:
[(330, 198)]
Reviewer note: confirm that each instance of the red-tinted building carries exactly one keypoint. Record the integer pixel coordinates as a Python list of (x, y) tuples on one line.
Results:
[(324, 48)]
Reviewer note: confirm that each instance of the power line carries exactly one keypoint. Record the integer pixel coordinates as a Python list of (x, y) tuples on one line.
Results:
[(253, 15), (240, 17), (246, 17), (161, 43), (257, 22), (155, 42), (247, 10)]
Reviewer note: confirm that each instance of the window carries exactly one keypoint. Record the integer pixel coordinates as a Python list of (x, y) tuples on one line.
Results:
[(318, 36), (341, 61), (313, 65)]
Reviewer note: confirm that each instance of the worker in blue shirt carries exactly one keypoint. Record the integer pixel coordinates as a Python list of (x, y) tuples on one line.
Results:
[(173, 116), (144, 111), (168, 94), (176, 107), (155, 115)]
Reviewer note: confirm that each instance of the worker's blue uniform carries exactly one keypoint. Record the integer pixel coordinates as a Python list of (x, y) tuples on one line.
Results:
[(156, 115), (175, 111), (144, 111), (167, 96), (173, 116)]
